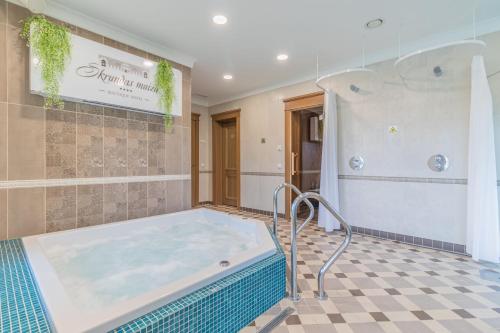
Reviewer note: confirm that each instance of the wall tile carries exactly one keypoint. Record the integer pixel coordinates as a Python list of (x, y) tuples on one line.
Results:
[(3, 60), (117, 113), (18, 91), (3, 214), (16, 14), (137, 200), (115, 44), (139, 116), (26, 149), (137, 52), (137, 148), (89, 35), (89, 205), (89, 145), (173, 151), (26, 212), (90, 109), (115, 147), (186, 101), (186, 191), (3, 11), (115, 202), (3, 141), (61, 144), (174, 196), (61, 208), (157, 198), (186, 150), (156, 149)]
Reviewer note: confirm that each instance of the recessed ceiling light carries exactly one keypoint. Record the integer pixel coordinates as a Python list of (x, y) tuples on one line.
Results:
[(219, 19), (228, 77), (282, 57), (148, 63), (374, 23)]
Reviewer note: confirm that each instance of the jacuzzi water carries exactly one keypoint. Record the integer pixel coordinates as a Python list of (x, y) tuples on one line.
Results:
[(99, 270), (100, 277)]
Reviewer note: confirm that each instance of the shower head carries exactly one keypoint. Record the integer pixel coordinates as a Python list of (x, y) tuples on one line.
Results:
[(354, 88), (438, 71)]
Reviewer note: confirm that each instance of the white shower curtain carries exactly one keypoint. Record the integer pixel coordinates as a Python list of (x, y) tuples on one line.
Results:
[(483, 233), (329, 183)]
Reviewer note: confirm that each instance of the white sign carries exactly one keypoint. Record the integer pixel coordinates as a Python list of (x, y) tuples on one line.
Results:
[(100, 74)]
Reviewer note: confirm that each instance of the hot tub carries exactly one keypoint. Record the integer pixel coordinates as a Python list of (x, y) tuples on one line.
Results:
[(98, 278)]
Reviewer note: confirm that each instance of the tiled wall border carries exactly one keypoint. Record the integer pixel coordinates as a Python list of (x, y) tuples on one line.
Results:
[(88, 181), (459, 181), (412, 240), (267, 174)]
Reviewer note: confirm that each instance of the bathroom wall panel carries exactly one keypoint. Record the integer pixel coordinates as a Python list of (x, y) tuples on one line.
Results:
[(115, 146), (3, 141), (80, 141), (137, 148), (157, 198), (89, 153), (137, 200), (186, 194), (115, 202), (3, 11), (174, 196), (60, 140), (26, 212), (173, 150), (60, 208), (156, 147), (3, 213), (18, 91), (26, 142), (3, 57), (89, 205)]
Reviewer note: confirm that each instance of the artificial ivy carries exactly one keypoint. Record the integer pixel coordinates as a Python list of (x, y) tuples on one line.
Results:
[(51, 44), (164, 82)]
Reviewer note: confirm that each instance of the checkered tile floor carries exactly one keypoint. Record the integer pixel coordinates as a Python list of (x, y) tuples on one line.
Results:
[(384, 286)]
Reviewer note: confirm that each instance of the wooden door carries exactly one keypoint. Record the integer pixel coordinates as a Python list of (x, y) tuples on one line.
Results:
[(229, 164), (195, 159), (292, 132)]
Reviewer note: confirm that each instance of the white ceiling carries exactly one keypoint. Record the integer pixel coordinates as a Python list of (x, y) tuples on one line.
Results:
[(258, 30)]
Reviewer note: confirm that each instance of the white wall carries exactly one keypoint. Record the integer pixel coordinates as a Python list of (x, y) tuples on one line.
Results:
[(430, 121)]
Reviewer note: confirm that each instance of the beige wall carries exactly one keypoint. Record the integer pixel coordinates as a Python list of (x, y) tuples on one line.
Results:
[(81, 141), (205, 143), (430, 121)]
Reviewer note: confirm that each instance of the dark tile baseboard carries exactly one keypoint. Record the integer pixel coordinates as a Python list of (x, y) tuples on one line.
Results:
[(412, 240)]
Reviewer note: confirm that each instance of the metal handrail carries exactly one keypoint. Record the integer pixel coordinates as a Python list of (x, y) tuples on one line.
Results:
[(275, 206), (293, 254)]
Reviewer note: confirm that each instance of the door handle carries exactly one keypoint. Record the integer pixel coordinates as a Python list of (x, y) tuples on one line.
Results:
[(294, 172)]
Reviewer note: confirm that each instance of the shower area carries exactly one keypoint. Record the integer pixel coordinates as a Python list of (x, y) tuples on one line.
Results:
[(407, 147)]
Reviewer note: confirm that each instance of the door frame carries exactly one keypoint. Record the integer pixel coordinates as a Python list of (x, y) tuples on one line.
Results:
[(293, 104), (195, 159), (217, 119)]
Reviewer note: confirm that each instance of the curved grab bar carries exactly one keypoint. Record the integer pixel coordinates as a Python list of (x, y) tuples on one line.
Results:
[(331, 260), (275, 206)]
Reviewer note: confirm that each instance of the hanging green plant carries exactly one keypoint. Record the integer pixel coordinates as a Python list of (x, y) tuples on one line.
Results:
[(51, 44), (164, 82)]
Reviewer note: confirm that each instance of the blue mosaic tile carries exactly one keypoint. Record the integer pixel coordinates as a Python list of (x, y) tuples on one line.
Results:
[(20, 304), (226, 305)]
